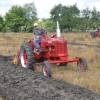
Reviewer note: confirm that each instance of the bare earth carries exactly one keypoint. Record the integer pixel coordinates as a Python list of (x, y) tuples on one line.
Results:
[(17, 83)]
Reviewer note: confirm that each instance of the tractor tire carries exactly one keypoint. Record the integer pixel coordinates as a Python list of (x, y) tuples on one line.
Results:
[(26, 56), (46, 69), (82, 64)]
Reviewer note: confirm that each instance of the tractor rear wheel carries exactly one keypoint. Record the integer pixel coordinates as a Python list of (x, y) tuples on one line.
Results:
[(26, 56), (82, 64), (46, 68)]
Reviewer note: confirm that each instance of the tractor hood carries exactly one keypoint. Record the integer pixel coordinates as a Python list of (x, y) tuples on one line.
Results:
[(56, 40)]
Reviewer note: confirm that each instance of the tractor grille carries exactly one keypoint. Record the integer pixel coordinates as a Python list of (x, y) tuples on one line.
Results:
[(61, 47)]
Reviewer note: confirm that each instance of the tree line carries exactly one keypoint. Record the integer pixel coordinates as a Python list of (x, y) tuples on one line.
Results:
[(21, 18)]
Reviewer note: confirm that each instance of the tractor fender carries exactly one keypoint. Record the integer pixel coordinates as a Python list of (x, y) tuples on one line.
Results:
[(31, 44)]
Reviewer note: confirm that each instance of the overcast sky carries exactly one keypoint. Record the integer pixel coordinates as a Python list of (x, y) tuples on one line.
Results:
[(44, 6)]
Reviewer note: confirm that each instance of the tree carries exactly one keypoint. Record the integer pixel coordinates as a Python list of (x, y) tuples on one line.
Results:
[(50, 25), (56, 11), (47, 24), (72, 16), (15, 18), (95, 18), (1, 23), (85, 19), (31, 16), (65, 15)]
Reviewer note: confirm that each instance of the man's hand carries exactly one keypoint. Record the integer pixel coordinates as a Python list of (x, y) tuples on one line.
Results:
[(36, 36)]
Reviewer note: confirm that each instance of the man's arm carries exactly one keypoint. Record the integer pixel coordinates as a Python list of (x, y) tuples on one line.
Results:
[(34, 35), (43, 31)]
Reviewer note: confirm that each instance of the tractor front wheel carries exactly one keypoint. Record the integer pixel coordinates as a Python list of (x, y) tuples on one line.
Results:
[(26, 56), (46, 68), (82, 64)]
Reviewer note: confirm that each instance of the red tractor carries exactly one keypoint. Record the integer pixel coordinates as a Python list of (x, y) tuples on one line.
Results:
[(53, 50), (95, 33)]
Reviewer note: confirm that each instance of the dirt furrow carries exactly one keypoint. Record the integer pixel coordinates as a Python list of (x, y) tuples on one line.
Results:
[(17, 83)]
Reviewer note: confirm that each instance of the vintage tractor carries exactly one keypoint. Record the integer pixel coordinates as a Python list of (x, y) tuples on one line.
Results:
[(95, 33), (53, 50)]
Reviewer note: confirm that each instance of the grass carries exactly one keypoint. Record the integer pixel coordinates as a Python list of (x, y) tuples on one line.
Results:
[(1, 98), (11, 42)]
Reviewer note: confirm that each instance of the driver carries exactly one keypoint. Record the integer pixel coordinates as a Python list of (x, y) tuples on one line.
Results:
[(38, 32)]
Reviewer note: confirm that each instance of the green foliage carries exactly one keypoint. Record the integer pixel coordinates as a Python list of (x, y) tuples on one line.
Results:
[(65, 15), (21, 18), (15, 18), (50, 25), (1, 23), (95, 19), (31, 16), (31, 11), (47, 24), (85, 19)]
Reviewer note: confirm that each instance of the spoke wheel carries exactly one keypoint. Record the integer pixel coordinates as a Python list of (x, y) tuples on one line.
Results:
[(82, 64), (26, 56), (46, 69)]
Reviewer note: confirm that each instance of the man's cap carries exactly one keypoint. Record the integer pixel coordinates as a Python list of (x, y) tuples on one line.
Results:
[(35, 24)]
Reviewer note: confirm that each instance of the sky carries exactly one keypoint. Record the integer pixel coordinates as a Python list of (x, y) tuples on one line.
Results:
[(44, 6)]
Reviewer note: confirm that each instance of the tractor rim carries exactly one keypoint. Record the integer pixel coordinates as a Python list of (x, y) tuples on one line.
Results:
[(45, 71), (80, 65), (24, 59)]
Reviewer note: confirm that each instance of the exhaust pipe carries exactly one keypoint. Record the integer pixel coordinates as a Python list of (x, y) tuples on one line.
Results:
[(58, 30)]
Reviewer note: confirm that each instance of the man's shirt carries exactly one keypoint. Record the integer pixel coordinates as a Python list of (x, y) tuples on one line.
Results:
[(38, 31)]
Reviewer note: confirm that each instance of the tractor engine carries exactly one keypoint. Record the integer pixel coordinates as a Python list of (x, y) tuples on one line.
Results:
[(58, 47), (52, 49)]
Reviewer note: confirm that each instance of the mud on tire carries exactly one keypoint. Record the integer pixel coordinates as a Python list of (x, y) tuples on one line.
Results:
[(26, 56)]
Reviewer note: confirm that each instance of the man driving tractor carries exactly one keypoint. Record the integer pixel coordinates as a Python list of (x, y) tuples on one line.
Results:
[(38, 32)]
